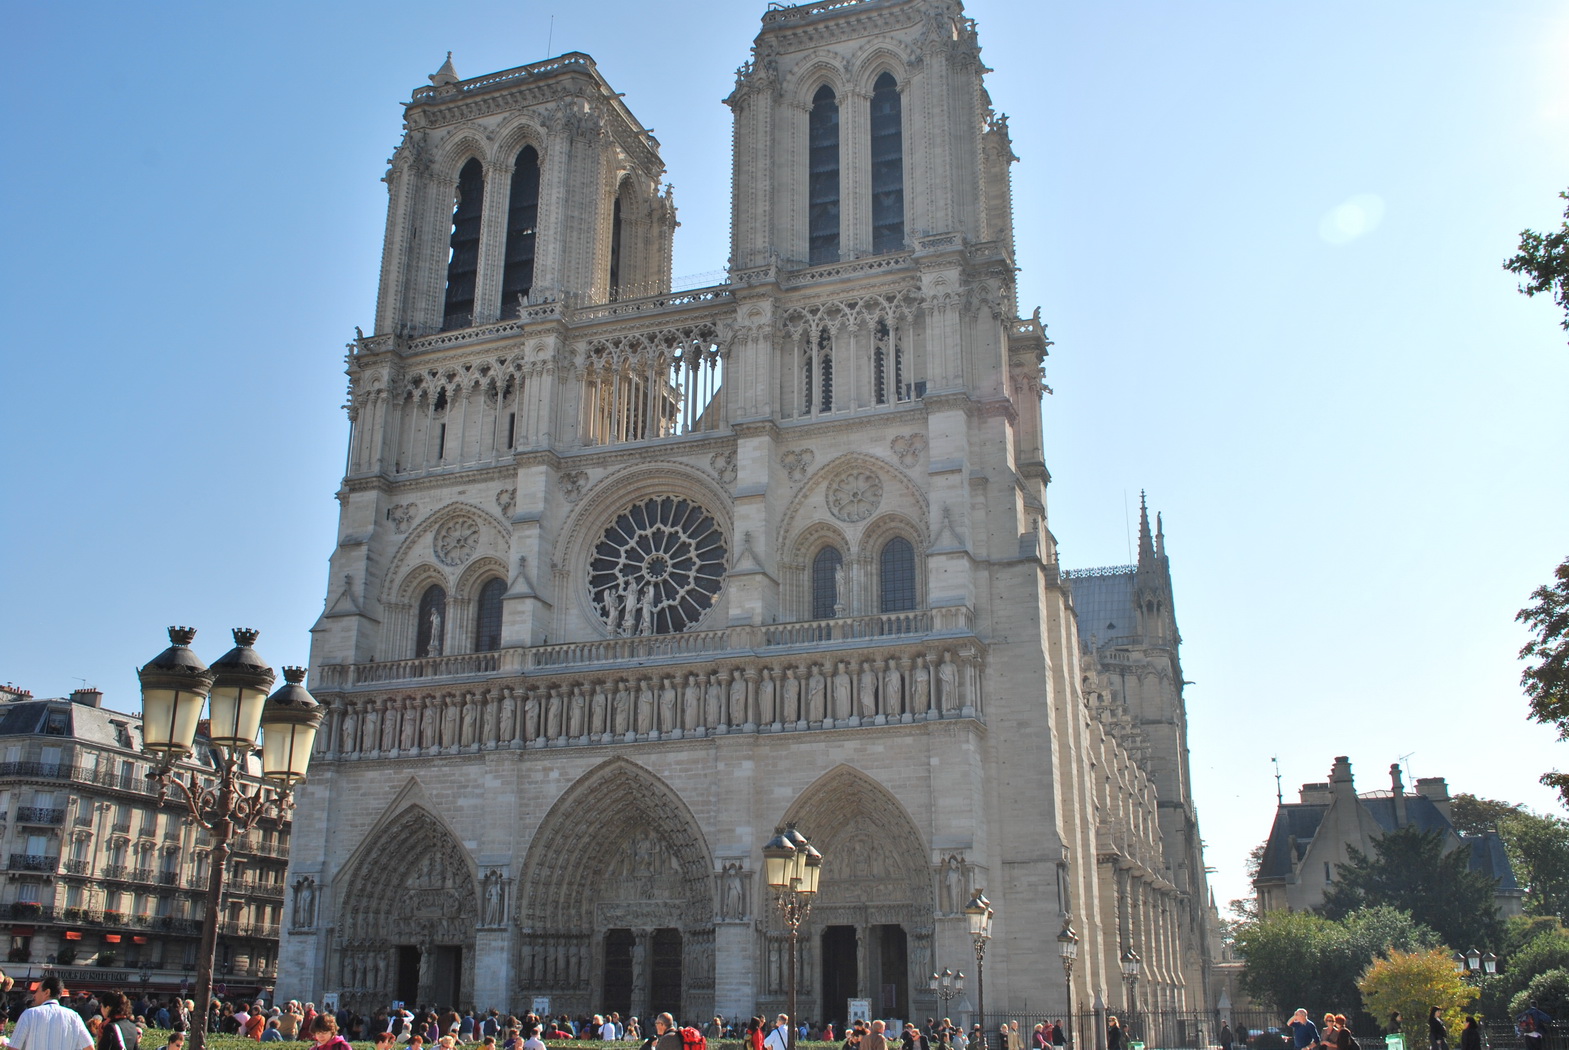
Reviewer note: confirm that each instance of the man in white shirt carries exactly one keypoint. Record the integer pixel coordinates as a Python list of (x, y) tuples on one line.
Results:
[(533, 1042), (49, 1026), (607, 1028), (779, 1038)]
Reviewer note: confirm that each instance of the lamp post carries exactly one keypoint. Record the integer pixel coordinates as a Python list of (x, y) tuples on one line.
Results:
[(947, 985), (791, 867), (1068, 948), (176, 685), (1131, 965), (979, 912)]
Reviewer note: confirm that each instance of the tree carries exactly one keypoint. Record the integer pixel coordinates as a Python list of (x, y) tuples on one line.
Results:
[(1292, 958), (1538, 848), (1245, 909), (1413, 982), (1410, 871), (1543, 259), (1548, 990), (1546, 682)]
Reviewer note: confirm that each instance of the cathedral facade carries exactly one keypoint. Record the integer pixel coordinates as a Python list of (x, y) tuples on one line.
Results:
[(626, 578)]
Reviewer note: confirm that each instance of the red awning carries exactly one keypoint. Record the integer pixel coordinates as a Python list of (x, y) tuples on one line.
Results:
[(73, 935), (138, 939), (111, 938)]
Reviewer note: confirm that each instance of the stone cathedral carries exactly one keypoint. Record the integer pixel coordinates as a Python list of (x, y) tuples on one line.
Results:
[(628, 577)]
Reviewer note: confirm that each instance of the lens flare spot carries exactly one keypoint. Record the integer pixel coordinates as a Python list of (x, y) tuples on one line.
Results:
[(1357, 217)]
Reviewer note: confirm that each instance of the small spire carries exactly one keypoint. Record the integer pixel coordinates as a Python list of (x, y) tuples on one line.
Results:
[(1146, 543), (1160, 537), (446, 74)]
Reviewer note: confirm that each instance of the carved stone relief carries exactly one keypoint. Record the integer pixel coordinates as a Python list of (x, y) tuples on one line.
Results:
[(456, 541), (855, 495)]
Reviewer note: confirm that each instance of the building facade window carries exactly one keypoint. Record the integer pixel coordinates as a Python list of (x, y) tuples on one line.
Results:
[(827, 569), (823, 178), (463, 248), (487, 616), (517, 273), (887, 167), (896, 576)]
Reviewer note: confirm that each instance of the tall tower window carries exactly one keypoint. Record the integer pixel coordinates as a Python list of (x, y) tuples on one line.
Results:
[(887, 167), (896, 580), (823, 178), (487, 616), (517, 275), (463, 259), (827, 567), (615, 249), (429, 631)]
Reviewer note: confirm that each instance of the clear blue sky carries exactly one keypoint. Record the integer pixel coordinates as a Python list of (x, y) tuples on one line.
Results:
[(1266, 238)]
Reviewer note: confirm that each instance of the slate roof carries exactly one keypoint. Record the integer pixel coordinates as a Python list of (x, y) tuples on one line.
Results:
[(1103, 602), (1301, 820)]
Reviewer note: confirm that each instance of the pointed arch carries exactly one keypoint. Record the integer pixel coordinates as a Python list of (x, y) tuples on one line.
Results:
[(410, 881), (463, 246), (875, 866), (641, 833)]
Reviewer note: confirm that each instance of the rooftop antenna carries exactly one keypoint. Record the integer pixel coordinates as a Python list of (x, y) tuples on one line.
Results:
[(551, 39), (1127, 525), (1280, 798), (1405, 764)]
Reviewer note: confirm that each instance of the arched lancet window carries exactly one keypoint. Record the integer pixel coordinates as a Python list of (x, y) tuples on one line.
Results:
[(817, 373), (823, 178), (487, 616), (887, 167), (615, 248), (430, 629), (463, 258), (896, 578), (517, 274), (826, 570)]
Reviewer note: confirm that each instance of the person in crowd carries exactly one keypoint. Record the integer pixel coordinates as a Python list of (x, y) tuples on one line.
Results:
[(779, 1038), (176, 1042), (1437, 1033), (1113, 1034), (116, 1029), (1471, 1035), (533, 1042), (271, 1033), (49, 1026), (666, 1035), (1304, 1033), (1225, 1035), (255, 1024), (876, 1039), (324, 1031)]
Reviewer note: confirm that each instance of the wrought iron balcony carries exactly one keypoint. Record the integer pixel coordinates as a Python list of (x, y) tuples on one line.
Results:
[(33, 862), (77, 867), (39, 815)]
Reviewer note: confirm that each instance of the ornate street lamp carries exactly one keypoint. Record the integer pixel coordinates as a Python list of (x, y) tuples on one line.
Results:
[(1068, 948), (175, 687), (947, 985), (979, 912), (1131, 965), (1473, 961), (791, 867), (1490, 964)]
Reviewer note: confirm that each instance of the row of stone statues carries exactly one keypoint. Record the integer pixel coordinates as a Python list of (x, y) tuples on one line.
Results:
[(839, 693)]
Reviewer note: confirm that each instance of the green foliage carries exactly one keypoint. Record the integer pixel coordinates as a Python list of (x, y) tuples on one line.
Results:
[(1546, 682), (1543, 260), (1291, 958), (1472, 815), (1538, 848), (1548, 990), (1411, 872), (1412, 983)]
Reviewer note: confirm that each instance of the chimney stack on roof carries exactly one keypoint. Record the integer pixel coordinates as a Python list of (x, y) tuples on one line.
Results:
[(88, 697), (1315, 794), (1436, 791), (1397, 789), (1340, 781)]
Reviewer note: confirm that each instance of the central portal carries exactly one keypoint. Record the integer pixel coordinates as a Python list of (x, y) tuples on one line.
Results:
[(841, 973)]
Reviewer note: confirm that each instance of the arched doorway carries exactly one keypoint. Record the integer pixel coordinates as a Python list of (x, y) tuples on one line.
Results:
[(408, 912), (870, 931), (617, 906)]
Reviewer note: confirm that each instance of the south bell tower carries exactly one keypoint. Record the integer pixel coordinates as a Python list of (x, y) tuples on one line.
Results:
[(626, 577)]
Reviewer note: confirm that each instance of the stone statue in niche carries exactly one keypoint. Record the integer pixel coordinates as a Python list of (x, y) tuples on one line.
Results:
[(691, 703), (732, 895), (304, 902), (841, 691), (921, 688), (668, 719), (955, 895), (948, 684), (868, 691), (816, 695), (495, 902), (645, 707)]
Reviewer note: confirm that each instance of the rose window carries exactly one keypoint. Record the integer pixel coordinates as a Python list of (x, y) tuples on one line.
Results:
[(658, 568)]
